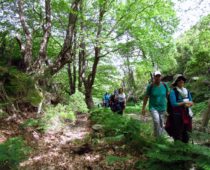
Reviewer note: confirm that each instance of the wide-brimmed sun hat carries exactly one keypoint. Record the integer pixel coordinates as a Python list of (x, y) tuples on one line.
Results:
[(178, 77)]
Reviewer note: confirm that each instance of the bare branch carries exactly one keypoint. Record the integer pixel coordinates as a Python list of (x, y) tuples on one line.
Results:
[(104, 55), (22, 19)]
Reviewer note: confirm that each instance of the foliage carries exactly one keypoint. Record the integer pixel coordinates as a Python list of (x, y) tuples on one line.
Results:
[(19, 87), (193, 58), (159, 154), (112, 159), (200, 137), (61, 79), (2, 113), (198, 108), (195, 87), (39, 124), (107, 80), (9, 49), (133, 109), (12, 152), (143, 71), (54, 118), (176, 156), (77, 102), (116, 126)]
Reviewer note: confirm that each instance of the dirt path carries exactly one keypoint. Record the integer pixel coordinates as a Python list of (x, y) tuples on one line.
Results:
[(72, 149), (54, 149)]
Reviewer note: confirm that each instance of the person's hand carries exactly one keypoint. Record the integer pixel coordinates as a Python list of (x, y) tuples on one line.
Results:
[(144, 117), (188, 104), (143, 112)]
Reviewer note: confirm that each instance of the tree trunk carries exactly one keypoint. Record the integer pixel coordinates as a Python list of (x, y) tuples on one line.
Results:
[(88, 97), (72, 68), (26, 48), (89, 80), (206, 116), (81, 64), (40, 62), (81, 60), (63, 57), (72, 78)]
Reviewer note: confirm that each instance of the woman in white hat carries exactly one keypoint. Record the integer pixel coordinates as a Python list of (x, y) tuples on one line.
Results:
[(181, 101)]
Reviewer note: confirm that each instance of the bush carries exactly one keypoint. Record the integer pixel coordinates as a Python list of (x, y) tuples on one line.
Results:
[(39, 124), (55, 117), (176, 156), (115, 125), (77, 102), (198, 108), (12, 152), (18, 88)]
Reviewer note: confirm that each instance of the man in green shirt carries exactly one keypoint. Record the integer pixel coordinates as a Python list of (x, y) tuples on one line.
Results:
[(156, 93)]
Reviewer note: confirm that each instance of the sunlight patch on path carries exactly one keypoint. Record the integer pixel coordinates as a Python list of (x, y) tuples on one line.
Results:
[(56, 146)]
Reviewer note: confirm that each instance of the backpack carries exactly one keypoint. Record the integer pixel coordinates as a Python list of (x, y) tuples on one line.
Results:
[(114, 104)]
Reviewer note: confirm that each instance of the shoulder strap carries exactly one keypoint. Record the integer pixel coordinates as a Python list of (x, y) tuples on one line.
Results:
[(150, 88), (166, 89)]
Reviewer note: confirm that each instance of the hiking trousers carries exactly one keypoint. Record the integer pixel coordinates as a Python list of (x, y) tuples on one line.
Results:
[(158, 122)]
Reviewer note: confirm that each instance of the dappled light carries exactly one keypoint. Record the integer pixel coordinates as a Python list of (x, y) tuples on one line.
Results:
[(105, 85)]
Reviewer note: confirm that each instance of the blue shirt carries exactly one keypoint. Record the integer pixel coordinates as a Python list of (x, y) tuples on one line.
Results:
[(175, 102)]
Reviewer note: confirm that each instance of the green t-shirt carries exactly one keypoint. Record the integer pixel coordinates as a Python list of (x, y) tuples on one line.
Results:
[(157, 97)]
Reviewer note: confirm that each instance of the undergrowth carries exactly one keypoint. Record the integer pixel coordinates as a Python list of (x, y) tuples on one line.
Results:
[(12, 152), (159, 154)]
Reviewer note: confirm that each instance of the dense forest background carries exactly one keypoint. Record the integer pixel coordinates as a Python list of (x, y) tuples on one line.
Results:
[(58, 58)]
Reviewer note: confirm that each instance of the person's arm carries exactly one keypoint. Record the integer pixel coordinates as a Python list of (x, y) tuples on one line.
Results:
[(173, 100), (144, 104), (124, 99), (146, 97), (168, 89)]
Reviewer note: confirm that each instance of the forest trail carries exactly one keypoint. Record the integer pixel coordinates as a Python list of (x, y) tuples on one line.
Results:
[(72, 148), (60, 150)]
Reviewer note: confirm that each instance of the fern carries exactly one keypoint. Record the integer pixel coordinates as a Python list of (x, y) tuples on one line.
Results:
[(174, 155), (110, 159), (12, 152)]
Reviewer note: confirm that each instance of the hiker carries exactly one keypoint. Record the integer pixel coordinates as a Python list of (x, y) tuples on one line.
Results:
[(181, 101), (157, 93), (113, 102), (121, 98), (106, 99)]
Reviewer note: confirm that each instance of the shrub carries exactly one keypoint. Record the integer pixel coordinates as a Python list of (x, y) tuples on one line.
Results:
[(77, 102), (199, 107), (55, 116), (176, 156), (18, 88), (39, 124), (12, 152)]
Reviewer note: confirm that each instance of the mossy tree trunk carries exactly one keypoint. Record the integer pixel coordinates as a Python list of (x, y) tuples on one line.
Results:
[(206, 116)]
